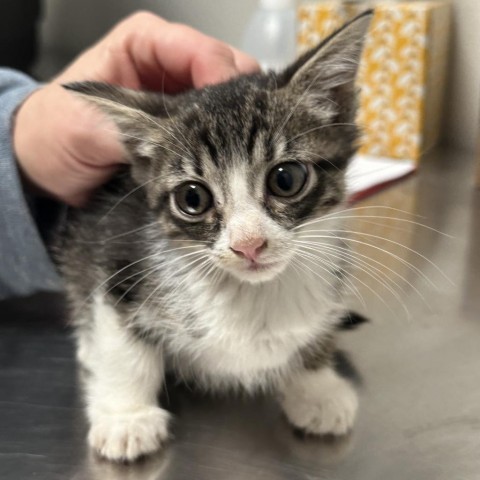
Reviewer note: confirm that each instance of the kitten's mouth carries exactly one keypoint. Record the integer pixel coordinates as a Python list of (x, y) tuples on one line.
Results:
[(253, 271), (260, 267)]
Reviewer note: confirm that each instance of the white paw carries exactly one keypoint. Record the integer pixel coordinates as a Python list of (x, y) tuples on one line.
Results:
[(320, 403), (129, 435)]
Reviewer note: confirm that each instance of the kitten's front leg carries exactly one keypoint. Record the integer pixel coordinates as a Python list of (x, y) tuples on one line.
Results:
[(125, 376), (320, 402)]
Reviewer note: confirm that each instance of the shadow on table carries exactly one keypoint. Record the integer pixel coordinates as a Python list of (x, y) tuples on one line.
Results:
[(228, 438)]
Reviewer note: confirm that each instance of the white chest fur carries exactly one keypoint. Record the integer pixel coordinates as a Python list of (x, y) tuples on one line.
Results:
[(243, 331)]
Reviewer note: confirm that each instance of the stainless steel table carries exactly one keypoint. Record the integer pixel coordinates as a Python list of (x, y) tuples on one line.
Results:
[(419, 360)]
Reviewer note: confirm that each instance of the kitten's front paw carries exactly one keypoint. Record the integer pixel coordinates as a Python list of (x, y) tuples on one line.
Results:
[(129, 435), (320, 403)]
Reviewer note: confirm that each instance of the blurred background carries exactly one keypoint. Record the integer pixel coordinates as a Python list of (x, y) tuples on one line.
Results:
[(67, 27), (420, 413)]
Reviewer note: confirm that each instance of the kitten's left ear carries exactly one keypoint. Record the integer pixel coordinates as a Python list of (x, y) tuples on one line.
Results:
[(332, 64)]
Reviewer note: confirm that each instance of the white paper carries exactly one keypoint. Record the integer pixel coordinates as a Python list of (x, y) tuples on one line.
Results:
[(366, 172)]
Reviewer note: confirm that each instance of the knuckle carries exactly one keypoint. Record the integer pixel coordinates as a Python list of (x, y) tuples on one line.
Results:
[(141, 17), (128, 28), (184, 30), (135, 22), (210, 46), (216, 48)]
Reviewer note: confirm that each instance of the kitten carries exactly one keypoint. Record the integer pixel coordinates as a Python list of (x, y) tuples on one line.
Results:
[(190, 259)]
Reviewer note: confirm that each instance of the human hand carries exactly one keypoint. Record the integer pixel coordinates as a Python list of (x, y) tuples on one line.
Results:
[(66, 148)]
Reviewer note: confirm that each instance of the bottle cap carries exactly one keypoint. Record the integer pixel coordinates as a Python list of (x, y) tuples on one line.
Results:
[(277, 4)]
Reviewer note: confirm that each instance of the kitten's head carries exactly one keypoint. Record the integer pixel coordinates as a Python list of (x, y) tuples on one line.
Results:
[(241, 164)]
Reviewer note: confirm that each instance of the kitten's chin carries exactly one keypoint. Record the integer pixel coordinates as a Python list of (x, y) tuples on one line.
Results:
[(258, 273)]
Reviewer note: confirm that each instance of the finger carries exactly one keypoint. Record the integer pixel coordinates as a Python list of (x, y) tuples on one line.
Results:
[(82, 184), (245, 63), (189, 58), (215, 64)]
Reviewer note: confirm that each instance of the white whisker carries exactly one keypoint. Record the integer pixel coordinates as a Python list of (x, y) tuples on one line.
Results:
[(161, 285), (162, 127), (340, 215), (321, 127), (156, 144), (365, 259), (152, 270), (120, 235), (373, 272), (131, 192), (376, 294), (129, 266), (385, 239), (312, 259), (171, 120)]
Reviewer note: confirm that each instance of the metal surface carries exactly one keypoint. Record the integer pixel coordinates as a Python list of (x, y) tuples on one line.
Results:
[(420, 394)]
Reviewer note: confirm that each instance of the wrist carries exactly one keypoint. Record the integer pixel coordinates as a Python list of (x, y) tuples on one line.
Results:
[(28, 124)]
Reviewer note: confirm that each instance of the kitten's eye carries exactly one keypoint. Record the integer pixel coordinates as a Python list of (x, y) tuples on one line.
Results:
[(287, 179), (193, 198)]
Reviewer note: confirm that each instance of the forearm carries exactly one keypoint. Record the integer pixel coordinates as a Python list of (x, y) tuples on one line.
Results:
[(25, 266)]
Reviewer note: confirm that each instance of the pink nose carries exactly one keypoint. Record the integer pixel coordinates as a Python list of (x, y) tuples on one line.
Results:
[(249, 249)]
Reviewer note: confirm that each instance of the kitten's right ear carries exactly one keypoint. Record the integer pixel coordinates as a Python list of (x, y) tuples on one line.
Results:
[(140, 116), (152, 103)]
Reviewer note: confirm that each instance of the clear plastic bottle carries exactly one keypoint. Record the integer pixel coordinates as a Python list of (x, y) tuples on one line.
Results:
[(270, 35)]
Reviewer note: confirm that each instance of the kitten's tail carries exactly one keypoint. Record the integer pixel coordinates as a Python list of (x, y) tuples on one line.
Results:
[(351, 321)]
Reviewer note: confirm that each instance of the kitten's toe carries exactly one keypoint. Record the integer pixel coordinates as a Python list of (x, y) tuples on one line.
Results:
[(128, 436), (320, 403)]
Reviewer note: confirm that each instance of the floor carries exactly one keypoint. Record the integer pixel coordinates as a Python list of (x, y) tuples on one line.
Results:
[(418, 359)]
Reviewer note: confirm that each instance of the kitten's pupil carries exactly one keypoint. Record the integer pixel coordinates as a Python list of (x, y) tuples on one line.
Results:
[(287, 179), (193, 198), (284, 180)]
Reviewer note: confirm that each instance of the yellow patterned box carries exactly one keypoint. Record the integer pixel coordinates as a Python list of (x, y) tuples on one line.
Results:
[(403, 71)]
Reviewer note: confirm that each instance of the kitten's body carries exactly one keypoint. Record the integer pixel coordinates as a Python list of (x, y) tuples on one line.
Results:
[(215, 329), (218, 297)]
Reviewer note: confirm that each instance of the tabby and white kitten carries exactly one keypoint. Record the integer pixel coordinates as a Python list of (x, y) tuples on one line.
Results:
[(189, 260)]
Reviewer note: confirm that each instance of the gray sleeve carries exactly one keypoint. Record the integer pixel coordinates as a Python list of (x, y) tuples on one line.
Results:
[(25, 266)]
